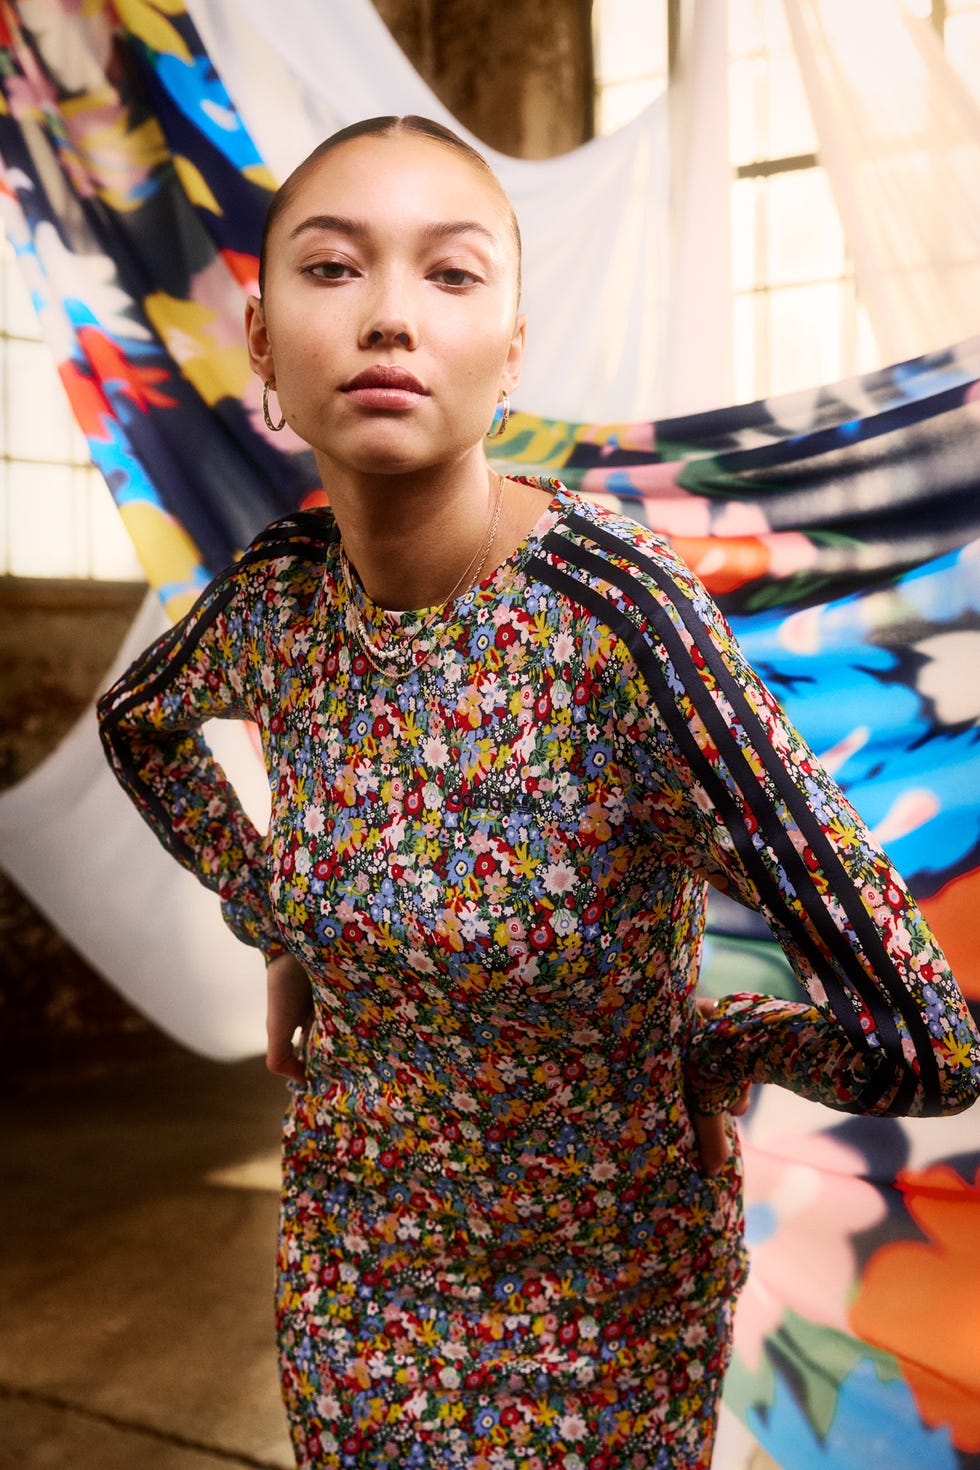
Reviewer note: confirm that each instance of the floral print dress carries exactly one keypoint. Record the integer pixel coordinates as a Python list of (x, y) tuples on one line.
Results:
[(497, 1248)]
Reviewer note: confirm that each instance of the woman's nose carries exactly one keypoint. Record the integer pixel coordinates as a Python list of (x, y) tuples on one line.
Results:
[(389, 322), (389, 333)]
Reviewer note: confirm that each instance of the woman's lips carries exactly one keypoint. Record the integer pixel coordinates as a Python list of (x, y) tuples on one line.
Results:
[(383, 386)]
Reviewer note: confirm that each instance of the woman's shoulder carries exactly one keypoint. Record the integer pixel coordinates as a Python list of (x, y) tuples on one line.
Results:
[(301, 536), (601, 543), (281, 568), (627, 580)]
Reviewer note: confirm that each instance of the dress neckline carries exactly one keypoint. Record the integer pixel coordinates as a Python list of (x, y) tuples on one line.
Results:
[(380, 617)]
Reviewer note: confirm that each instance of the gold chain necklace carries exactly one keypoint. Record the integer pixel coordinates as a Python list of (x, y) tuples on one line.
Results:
[(408, 657)]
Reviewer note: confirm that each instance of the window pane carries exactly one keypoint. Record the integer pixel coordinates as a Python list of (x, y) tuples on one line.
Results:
[(746, 96), (775, 31), (747, 317), (746, 26), (38, 420), (963, 47), (620, 102), (789, 126), (805, 337), (745, 233), (804, 234), (111, 552), (868, 356), (630, 40), (43, 520), (19, 317), (4, 519)]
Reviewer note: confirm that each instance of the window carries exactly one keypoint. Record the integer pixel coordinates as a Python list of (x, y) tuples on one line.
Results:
[(630, 45), (57, 518), (798, 321)]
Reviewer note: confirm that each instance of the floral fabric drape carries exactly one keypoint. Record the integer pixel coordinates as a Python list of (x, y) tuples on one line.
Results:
[(838, 529)]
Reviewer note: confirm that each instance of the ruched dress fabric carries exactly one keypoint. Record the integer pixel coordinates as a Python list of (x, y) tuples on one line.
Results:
[(497, 1247)]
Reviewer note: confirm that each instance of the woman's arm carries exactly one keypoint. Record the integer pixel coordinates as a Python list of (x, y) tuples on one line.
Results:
[(289, 1012), (150, 725), (736, 796)]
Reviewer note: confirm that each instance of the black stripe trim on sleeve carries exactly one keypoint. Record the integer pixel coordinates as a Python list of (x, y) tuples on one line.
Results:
[(803, 815), (639, 643), (110, 720), (299, 549), (280, 539)]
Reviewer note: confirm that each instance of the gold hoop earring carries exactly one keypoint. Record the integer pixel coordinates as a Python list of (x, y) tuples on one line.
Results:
[(501, 415), (266, 414)]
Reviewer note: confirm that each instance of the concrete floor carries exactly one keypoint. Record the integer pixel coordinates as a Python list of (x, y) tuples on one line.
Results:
[(137, 1221), (138, 1217)]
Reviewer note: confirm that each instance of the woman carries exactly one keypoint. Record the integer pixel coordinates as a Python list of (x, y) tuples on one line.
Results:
[(510, 740)]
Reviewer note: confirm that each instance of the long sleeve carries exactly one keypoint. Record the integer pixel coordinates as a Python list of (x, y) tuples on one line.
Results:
[(732, 795), (150, 724)]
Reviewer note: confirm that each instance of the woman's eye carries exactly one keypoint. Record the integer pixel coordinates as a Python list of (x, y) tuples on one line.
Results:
[(330, 270), (452, 275)]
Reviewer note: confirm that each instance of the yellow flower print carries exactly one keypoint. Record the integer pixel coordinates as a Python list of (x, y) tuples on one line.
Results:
[(114, 157), (523, 862), (145, 19), (193, 334)]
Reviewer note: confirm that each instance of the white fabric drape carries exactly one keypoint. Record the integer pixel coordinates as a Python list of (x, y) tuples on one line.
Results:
[(71, 839), (609, 314), (899, 134)]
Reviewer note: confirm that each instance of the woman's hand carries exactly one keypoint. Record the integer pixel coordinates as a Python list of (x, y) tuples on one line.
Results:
[(711, 1129), (289, 1007)]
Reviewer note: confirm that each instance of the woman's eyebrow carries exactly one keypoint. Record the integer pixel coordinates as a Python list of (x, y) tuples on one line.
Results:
[(446, 229), (340, 224)]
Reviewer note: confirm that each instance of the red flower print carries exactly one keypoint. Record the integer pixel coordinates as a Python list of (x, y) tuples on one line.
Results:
[(110, 365), (541, 935)]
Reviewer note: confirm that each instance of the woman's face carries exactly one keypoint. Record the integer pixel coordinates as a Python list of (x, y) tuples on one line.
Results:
[(389, 317)]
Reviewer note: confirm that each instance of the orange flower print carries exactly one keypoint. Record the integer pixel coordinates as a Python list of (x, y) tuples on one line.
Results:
[(921, 1301)]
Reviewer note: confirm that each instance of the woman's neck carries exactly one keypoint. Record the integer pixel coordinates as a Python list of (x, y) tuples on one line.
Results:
[(415, 541)]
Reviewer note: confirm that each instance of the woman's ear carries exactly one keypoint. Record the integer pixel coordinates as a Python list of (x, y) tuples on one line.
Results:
[(257, 340), (514, 361)]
